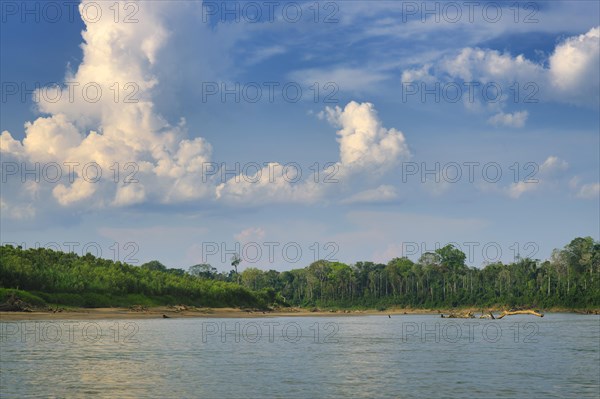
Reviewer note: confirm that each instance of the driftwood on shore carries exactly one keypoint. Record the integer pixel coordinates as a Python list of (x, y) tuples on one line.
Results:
[(463, 315), (587, 311), (138, 308), (180, 308), (14, 304), (490, 315), (513, 312)]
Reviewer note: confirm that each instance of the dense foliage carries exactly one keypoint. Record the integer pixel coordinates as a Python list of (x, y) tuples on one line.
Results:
[(570, 279), (69, 279)]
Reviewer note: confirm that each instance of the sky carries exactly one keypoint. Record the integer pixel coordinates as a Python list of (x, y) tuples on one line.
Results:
[(288, 132)]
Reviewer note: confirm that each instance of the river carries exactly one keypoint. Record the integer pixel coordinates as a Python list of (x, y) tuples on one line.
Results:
[(402, 356)]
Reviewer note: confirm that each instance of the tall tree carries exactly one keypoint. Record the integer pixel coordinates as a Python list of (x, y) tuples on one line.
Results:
[(235, 262)]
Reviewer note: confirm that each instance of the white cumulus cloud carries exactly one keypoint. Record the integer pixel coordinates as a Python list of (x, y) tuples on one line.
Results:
[(365, 144), (366, 147), (515, 119), (114, 120), (143, 157), (574, 67), (570, 77)]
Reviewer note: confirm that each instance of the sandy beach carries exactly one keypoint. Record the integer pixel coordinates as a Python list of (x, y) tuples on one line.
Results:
[(170, 312), (158, 312)]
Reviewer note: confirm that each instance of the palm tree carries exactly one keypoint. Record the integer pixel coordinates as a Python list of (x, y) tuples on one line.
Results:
[(235, 261)]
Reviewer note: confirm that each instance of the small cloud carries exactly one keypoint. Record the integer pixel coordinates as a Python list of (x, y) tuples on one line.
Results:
[(383, 193), (343, 78), (130, 194), (516, 119), (589, 191), (418, 74), (553, 164), (515, 190), (266, 53), (437, 185), (17, 212), (549, 167), (250, 234), (574, 182)]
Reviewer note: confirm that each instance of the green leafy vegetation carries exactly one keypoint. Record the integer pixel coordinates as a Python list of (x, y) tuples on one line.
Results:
[(570, 279), (87, 281)]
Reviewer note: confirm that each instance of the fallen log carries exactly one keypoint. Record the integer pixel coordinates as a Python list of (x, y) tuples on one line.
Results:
[(9, 307), (15, 304), (588, 311), (463, 315), (138, 308), (514, 312)]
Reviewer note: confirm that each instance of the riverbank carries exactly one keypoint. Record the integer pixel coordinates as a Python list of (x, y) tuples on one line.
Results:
[(170, 312), (185, 312)]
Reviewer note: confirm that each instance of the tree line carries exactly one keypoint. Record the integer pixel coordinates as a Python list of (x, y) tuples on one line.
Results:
[(570, 279), (54, 277)]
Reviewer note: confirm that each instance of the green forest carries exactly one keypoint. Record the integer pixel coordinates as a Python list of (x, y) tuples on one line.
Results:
[(440, 279)]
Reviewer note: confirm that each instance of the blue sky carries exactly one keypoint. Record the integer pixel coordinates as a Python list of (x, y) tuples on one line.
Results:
[(361, 119)]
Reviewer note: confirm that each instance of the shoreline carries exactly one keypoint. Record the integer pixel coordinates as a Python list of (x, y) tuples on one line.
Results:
[(161, 311), (158, 312)]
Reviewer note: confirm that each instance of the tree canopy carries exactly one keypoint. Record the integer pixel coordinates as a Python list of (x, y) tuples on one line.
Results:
[(570, 278)]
